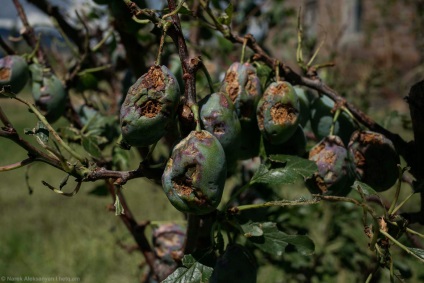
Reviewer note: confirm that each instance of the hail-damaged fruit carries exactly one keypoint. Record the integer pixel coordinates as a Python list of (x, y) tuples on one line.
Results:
[(149, 107), (49, 92), (335, 175), (218, 117), (278, 112), (375, 159), (13, 72), (194, 176), (243, 87)]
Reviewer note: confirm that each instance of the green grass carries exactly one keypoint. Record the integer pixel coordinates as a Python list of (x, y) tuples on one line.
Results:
[(45, 234)]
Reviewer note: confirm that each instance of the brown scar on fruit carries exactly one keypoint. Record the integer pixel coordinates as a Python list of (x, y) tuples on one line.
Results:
[(223, 101), (319, 181), (370, 138), (154, 79), (219, 129), (4, 74), (329, 157), (150, 108), (283, 114), (233, 85), (250, 87), (281, 87), (184, 182), (316, 150), (201, 135)]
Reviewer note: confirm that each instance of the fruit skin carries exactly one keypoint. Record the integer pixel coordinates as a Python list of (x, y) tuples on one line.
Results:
[(218, 117), (335, 173), (375, 159), (13, 72), (295, 145), (237, 264), (243, 87), (149, 107), (194, 176), (48, 92), (278, 112), (305, 99), (322, 118)]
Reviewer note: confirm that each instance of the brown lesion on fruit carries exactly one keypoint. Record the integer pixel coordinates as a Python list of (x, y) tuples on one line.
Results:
[(154, 79), (283, 114), (183, 183), (201, 135), (5, 74), (150, 108), (233, 86), (371, 138), (316, 150), (279, 88), (260, 115), (251, 85), (320, 183), (219, 129), (329, 157)]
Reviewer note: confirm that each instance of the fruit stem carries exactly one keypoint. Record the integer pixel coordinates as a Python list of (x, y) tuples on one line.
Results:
[(195, 109), (333, 124), (398, 187), (277, 70), (403, 247), (208, 76), (161, 44), (243, 49)]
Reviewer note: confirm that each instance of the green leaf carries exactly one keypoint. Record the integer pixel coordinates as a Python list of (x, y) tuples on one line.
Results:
[(229, 12), (120, 158), (119, 210), (301, 166), (90, 145), (42, 132), (274, 241), (367, 190), (417, 252), (192, 272), (252, 229)]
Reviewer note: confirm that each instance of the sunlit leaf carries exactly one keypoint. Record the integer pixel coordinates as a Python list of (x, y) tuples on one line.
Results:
[(193, 272), (274, 241)]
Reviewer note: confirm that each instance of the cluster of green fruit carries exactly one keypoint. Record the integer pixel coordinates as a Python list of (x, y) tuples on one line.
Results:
[(48, 91), (234, 119)]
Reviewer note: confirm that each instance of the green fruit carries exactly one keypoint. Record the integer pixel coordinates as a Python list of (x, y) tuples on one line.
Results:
[(49, 93), (322, 119), (278, 112), (149, 107), (335, 175), (236, 265), (195, 174), (305, 98), (13, 72), (218, 117), (242, 85), (375, 159), (295, 145)]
